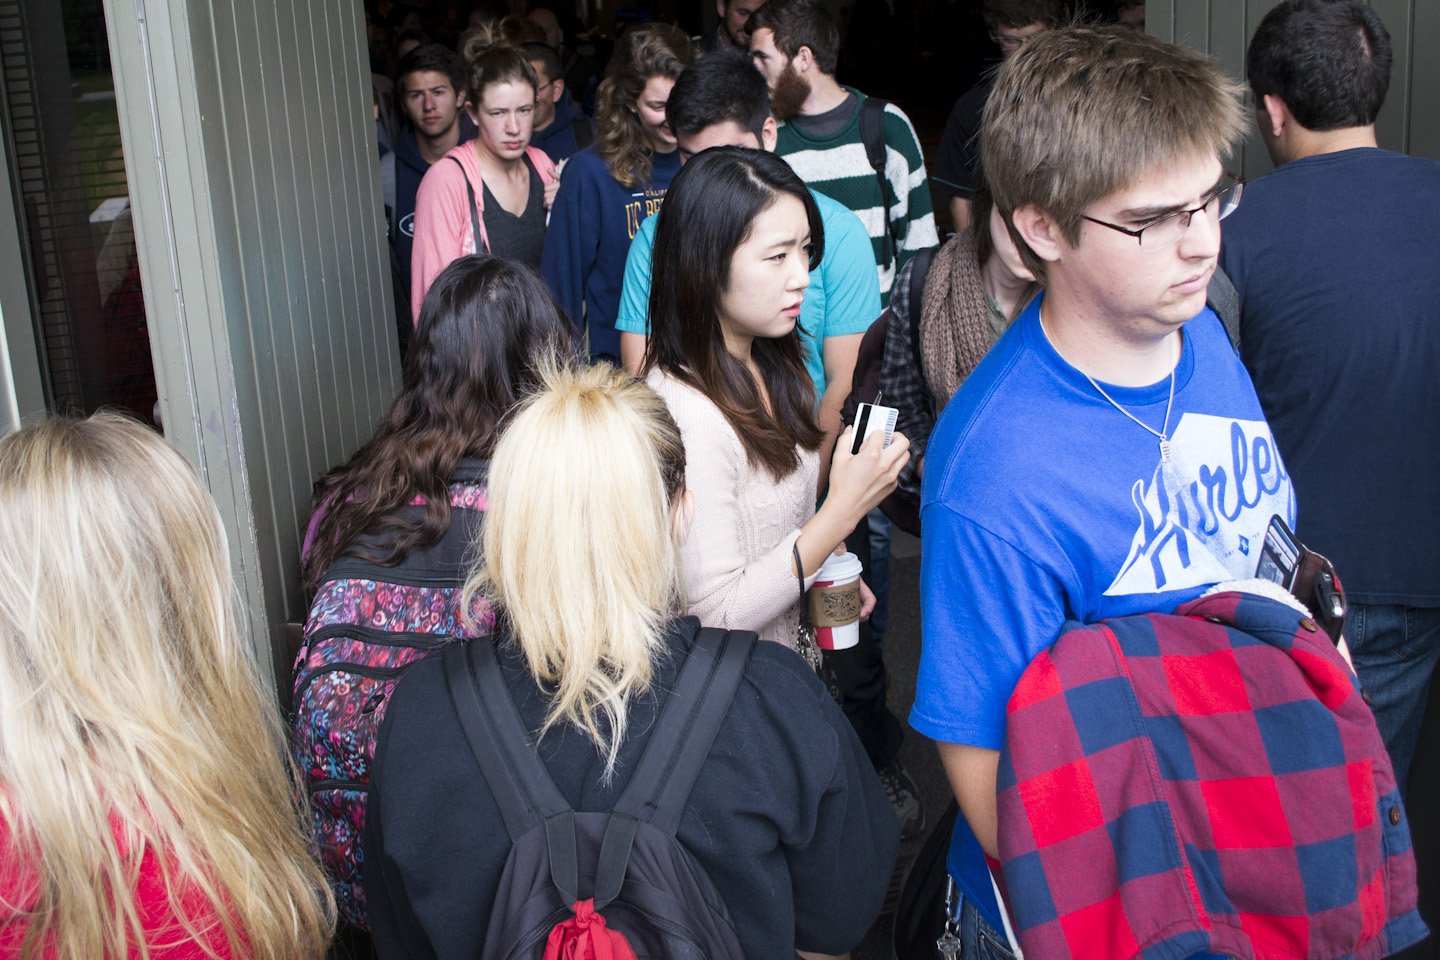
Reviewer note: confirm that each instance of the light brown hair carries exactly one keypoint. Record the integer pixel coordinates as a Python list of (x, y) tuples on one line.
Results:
[(650, 50), (491, 57), (1080, 113)]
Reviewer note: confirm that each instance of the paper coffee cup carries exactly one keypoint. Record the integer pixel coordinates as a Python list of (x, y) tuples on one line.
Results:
[(834, 601)]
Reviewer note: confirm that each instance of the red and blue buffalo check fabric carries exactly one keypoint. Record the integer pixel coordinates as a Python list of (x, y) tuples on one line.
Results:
[(1208, 781)]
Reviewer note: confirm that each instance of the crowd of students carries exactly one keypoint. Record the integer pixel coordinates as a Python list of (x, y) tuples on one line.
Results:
[(619, 424)]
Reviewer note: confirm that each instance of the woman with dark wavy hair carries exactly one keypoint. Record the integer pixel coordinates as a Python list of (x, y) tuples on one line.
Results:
[(485, 328), (393, 529), (734, 246)]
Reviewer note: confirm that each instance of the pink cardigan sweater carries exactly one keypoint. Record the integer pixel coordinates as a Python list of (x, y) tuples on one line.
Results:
[(443, 231), (737, 563)]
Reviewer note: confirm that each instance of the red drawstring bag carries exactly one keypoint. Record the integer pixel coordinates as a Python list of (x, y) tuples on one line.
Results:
[(584, 936)]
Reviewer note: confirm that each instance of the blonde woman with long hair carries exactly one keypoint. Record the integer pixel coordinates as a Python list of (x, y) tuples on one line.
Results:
[(588, 509), (146, 806), (609, 188)]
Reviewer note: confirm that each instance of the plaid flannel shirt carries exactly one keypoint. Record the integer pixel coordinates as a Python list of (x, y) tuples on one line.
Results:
[(902, 382), (1207, 781)]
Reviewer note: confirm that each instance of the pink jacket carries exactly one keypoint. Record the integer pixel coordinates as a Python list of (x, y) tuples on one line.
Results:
[(443, 231)]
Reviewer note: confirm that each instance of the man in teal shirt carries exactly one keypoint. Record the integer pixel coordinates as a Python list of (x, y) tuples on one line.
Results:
[(723, 101)]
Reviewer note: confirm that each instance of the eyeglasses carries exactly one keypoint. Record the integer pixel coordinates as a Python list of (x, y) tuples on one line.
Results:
[(1010, 42), (1163, 231)]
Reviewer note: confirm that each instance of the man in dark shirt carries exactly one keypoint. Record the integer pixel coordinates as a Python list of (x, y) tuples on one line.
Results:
[(730, 33), (1334, 255), (561, 129), (430, 90), (1012, 23)]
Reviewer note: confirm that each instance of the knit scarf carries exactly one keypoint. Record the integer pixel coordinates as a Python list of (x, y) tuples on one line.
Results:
[(954, 320)]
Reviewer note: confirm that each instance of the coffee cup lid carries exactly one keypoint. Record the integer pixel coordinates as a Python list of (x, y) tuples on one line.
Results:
[(844, 566)]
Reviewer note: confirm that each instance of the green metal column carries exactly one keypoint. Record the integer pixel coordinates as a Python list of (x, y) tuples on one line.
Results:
[(251, 156)]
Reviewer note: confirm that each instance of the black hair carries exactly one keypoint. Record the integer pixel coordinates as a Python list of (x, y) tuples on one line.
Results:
[(430, 56), (1329, 60), (1015, 14), (720, 87), (708, 212), (486, 329), (549, 59), (800, 23)]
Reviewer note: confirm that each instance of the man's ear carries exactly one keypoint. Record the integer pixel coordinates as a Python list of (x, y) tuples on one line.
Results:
[(557, 90), (1040, 232), (1275, 114), (803, 60), (769, 135), (720, 8)]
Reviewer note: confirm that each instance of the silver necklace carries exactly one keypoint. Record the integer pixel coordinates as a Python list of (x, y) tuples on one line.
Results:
[(1165, 455)]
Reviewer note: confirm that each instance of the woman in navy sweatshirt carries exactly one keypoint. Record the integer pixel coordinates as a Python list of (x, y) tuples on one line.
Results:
[(610, 187)]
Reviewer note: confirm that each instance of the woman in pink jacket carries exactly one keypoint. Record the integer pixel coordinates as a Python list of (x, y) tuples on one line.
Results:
[(489, 195)]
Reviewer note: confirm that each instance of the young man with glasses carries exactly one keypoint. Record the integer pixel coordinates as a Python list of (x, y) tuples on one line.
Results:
[(1012, 24), (1334, 258), (1109, 455)]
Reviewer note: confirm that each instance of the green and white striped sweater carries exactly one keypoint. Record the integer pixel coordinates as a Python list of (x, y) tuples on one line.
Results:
[(837, 167)]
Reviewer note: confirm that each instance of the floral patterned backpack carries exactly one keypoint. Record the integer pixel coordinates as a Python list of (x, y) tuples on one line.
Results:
[(367, 625)]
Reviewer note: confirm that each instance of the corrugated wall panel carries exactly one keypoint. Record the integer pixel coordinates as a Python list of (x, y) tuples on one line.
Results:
[(1425, 82), (1392, 127), (1410, 119), (262, 212)]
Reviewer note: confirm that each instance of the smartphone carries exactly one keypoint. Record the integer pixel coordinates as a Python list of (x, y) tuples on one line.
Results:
[(871, 418), (1279, 555)]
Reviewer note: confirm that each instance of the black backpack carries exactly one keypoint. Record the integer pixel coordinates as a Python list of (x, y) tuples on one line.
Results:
[(625, 864), (872, 136)]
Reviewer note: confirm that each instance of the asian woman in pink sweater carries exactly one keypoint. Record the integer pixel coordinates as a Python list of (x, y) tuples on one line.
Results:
[(734, 245)]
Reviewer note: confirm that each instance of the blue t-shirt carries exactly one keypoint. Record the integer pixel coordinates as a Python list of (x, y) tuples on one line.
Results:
[(592, 222), (1042, 502), (1340, 327), (843, 296)]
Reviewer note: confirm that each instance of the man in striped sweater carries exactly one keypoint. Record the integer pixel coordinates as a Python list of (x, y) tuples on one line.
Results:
[(795, 44)]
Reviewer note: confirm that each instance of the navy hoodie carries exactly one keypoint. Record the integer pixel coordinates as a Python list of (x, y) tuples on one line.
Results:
[(400, 182), (558, 138), (591, 225)]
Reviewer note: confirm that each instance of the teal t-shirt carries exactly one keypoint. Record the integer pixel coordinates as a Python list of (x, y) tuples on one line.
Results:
[(843, 296)]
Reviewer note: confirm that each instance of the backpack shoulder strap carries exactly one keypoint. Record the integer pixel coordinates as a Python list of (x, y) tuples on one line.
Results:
[(474, 215), (584, 136), (522, 786), (919, 268), (518, 780), (1225, 301), (679, 744), (687, 726), (872, 135)]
